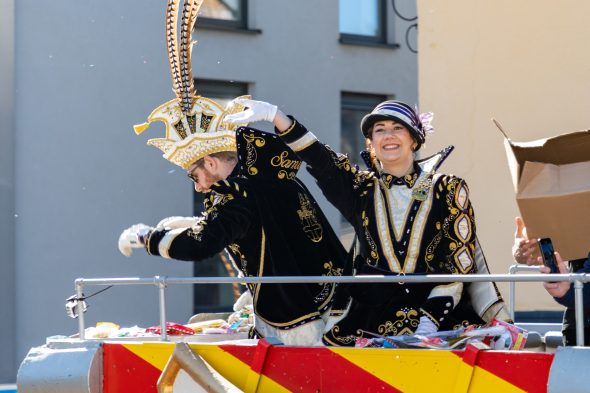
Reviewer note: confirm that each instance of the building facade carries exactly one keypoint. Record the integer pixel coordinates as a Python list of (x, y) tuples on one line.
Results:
[(76, 76), (481, 60)]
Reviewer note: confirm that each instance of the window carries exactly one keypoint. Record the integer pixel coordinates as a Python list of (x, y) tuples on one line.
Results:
[(353, 107), (224, 14), (220, 91), (362, 21), (214, 297)]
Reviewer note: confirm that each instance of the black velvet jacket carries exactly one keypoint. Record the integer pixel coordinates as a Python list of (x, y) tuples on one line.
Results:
[(270, 225), (420, 224)]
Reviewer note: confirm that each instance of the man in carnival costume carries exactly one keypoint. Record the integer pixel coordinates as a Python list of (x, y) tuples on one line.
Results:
[(255, 207)]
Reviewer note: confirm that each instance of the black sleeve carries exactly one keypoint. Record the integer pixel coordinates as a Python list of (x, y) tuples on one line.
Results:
[(342, 183), (228, 218), (569, 299)]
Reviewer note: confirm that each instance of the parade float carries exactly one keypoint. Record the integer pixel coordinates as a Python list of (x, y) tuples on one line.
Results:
[(215, 354)]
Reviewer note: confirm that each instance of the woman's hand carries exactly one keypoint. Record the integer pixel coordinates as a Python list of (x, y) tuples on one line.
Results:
[(426, 327), (525, 250), (560, 288)]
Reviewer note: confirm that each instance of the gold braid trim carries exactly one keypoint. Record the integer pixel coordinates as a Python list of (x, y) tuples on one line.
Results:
[(288, 130)]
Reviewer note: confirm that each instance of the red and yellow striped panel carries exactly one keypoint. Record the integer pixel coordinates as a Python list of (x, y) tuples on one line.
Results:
[(135, 367)]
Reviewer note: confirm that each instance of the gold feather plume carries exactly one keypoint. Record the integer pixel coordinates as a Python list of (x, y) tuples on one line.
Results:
[(172, 45), (189, 17)]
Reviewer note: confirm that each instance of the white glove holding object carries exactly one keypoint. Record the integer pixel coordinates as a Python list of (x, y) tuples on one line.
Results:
[(426, 327), (244, 300), (175, 222), (257, 111), (133, 237)]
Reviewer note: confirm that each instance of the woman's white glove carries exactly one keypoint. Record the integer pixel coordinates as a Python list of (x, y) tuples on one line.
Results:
[(175, 222), (133, 237), (257, 111), (426, 327)]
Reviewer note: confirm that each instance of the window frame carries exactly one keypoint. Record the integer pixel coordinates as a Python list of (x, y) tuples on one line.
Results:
[(379, 40), (240, 25), (350, 100)]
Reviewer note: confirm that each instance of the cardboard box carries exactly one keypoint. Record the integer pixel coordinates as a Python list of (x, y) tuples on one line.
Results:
[(552, 183)]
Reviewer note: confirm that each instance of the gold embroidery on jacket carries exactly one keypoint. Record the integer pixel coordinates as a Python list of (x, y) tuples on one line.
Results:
[(222, 199), (286, 175), (251, 155), (408, 320), (310, 224), (456, 227), (256, 287), (327, 290), (342, 162), (417, 231), (372, 245), (342, 340), (195, 233), (214, 201), (408, 264), (411, 179), (281, 161), (235, 248)]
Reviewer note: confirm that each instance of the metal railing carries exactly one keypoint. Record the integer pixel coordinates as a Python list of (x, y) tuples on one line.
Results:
[(512, 289), (162, 282)]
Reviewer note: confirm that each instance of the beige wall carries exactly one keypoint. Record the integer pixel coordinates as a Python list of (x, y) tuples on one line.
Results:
[(525, 63)]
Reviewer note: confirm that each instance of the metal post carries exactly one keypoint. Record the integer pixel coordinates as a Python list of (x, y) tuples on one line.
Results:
[(512, 293), (162, 292), (512, 285), (80, 306), (578, 288)]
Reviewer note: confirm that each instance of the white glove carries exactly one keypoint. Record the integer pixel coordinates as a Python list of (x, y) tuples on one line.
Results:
[(244, 300), (426, 327), (133, 237), (257, 111), (175, 222)]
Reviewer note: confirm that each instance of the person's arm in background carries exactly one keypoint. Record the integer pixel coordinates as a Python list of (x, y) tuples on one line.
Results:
[(563, 291), (525, 250)]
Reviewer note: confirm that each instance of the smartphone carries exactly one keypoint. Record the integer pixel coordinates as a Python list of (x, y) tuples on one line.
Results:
[(548, 254)]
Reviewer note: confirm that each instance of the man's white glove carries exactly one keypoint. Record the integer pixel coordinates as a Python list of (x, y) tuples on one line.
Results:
[(133, 237), (244, 300), (426, 327), (175, 222), (257, 111)]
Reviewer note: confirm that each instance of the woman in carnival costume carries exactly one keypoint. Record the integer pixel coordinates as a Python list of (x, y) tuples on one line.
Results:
[(408, 219)]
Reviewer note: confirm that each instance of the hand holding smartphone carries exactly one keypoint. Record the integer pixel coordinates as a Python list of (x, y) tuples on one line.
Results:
[(548, 254)]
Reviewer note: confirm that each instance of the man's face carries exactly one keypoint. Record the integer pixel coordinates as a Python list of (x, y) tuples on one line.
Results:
[(209, 170), (202, 176)]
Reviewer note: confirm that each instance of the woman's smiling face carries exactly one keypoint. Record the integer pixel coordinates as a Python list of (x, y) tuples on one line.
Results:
[(392, 142)]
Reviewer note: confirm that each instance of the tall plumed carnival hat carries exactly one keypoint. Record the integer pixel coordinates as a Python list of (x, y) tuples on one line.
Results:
[(195, 125)]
